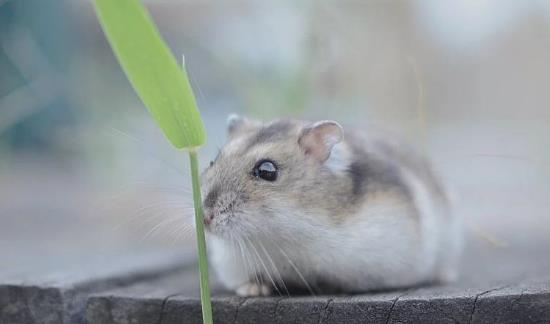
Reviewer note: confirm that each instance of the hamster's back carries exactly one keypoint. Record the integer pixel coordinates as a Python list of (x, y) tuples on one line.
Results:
[(440, 228)]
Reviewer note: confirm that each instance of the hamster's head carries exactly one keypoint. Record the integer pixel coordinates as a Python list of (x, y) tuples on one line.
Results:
[(255, 180)]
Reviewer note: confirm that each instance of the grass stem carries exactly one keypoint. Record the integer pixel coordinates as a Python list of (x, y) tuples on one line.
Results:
[(201, 242)]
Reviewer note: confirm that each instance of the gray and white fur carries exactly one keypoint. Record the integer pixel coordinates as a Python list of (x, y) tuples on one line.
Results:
[(345, 214)]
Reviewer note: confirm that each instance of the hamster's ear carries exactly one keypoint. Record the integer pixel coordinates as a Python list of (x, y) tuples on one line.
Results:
[(234, 122), (318, 139), (237, 124)]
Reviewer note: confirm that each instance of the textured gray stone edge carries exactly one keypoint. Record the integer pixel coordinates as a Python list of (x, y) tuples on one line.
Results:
[(66, 302), (522, 303)]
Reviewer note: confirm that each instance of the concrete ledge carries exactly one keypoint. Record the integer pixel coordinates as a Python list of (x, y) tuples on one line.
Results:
[(61, 297), (509, 285), (519, 292), (522, 303)]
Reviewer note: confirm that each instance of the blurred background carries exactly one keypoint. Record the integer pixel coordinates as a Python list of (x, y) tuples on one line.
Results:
[(84, 172)]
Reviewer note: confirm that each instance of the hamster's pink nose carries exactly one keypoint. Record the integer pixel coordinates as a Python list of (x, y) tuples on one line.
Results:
[(208, 216)]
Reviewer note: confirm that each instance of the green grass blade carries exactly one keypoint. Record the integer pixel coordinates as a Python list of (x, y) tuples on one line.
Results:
[(165, 90), (201, 243), (152, 70)]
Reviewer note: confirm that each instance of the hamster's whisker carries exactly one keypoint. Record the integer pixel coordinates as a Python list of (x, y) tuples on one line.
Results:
[(138, 187), (154, 186), (238, 244), (133, 219), (175, 214), (182, 229), (159, 224), (251, 264), (163, 204), (298, 272), (243, 255), (257, 267), (171, 218), (152, 219), (234, 246), (141, 217), (187, 231), (270, 259), (156, 227), (268, 273), (182, 211)]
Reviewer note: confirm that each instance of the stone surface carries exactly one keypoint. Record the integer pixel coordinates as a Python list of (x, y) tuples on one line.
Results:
[(528, 301), (161, 287), (373, 308), (169, 294), (61, 297), (426, 305), (519, 292)]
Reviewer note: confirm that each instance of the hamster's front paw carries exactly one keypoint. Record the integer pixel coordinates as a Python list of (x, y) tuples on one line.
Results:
[(250, 289)]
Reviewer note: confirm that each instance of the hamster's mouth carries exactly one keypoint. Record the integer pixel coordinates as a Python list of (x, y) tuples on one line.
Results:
[(227, 225)]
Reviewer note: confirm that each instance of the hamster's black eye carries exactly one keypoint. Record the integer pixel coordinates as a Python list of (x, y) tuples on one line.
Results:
[(266, 170), (211, 163)]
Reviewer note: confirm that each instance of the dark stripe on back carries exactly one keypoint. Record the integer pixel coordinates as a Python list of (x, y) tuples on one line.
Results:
[(359, 173), (371, 174)]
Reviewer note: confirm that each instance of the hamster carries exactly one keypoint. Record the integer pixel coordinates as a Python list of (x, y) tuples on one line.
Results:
[(294, 205)]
